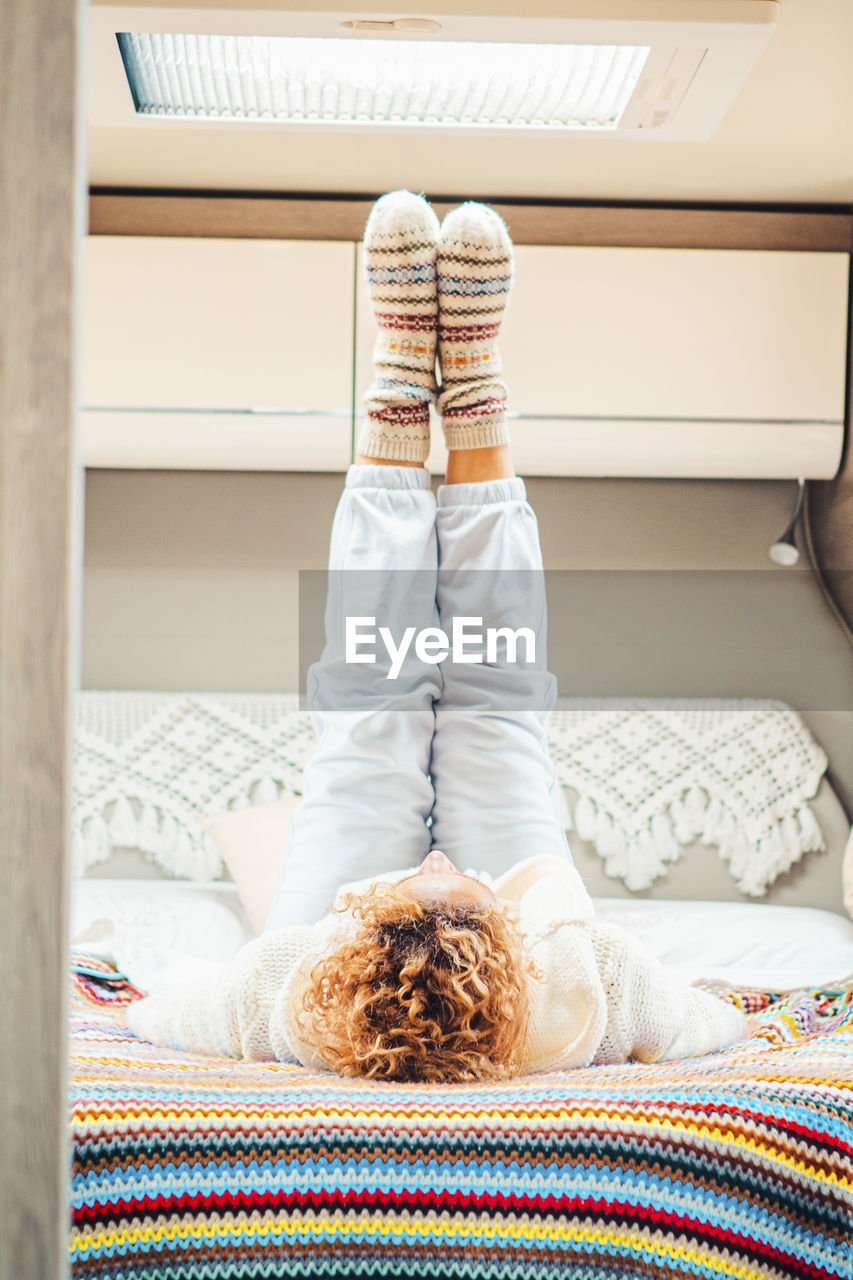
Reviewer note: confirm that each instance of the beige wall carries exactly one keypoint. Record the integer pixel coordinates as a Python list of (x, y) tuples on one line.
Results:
[(191, 582)]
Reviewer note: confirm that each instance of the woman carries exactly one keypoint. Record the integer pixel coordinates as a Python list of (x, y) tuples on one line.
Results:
[(430, 701)]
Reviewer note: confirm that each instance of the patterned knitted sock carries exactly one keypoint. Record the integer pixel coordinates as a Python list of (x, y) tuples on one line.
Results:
[(400, 242), (474, 268)]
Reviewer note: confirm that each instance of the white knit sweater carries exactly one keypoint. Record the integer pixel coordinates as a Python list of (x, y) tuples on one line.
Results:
[(605, 998)]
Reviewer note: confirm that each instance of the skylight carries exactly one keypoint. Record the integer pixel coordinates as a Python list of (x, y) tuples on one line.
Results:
[(361, 81)]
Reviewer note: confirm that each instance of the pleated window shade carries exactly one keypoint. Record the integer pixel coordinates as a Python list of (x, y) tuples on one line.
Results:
[(362, 81)]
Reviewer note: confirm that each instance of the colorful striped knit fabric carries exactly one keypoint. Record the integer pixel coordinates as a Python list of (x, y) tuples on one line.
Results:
[(400, 245), (734, 1165), (474, 270)]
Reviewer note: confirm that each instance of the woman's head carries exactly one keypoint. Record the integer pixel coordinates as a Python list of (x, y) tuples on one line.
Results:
[(430, 984)]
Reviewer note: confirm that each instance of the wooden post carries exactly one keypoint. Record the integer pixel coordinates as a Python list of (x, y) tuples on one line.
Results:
[(41, 227)]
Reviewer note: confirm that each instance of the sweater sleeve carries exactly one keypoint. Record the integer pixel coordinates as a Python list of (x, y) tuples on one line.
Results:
[(224, 1009), (550, 891), (652, 1016)]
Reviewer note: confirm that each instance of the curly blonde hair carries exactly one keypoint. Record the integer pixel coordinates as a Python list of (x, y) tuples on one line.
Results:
[(420, 992)]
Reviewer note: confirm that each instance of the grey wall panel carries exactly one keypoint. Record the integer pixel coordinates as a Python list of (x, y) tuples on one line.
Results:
[(655, 587)]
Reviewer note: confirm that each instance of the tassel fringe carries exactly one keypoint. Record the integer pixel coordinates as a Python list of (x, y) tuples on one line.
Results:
[(637, 858), (640, 857), (181, 847)]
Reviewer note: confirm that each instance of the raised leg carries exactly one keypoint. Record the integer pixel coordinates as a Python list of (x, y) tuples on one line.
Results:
[(367, 793), (497, 798)]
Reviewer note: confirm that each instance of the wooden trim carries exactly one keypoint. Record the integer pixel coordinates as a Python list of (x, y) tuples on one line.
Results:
[(566, 223), (41, 185)]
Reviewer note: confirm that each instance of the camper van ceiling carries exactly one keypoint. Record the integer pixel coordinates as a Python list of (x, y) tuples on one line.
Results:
[(588, 73)]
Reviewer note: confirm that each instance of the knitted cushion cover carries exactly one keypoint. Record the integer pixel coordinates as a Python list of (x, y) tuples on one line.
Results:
[(738, 1164)]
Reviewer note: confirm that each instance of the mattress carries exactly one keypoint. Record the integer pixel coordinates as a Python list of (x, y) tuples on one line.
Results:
[(735, 1164)]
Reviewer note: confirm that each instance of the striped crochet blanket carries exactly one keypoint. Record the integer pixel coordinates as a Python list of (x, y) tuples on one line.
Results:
[(734, 1165)]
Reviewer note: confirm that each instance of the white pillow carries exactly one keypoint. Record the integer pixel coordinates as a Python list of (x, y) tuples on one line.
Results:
[(748, 944), (252, 843), (145, 926)]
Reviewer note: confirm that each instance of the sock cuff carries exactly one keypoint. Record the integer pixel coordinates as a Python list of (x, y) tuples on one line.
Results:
[(380, 444), (476, 435)]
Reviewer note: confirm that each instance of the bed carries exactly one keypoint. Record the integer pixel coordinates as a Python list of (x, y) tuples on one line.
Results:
[(737, 1164)]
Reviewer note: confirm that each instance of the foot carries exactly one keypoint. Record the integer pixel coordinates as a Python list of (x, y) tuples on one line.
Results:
[(400, 245), (474, 268)]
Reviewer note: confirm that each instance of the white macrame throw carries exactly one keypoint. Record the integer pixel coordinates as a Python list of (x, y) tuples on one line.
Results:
[(651, 775), (654, 774), (146, 766)]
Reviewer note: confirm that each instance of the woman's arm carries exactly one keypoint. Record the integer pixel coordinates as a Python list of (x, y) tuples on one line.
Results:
[(652, 1015), (193, 1012), (224, 1010)]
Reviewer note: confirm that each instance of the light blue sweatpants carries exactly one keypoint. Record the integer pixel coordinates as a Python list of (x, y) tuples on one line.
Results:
[(450, 756)]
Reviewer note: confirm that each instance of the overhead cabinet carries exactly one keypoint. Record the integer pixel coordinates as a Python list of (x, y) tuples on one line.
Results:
[(222, 353), (621, 362)]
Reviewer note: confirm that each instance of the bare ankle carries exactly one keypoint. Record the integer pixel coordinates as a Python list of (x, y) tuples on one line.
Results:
[(363, 460), (468, 466)]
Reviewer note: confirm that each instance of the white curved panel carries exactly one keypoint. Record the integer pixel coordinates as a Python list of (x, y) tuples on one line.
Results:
[(216, 441), (668, 450)]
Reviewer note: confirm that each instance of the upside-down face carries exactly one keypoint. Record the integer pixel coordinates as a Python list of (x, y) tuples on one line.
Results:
[(438, 881)]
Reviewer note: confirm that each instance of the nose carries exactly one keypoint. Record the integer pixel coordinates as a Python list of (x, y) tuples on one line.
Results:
[(436, 862)]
